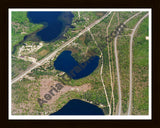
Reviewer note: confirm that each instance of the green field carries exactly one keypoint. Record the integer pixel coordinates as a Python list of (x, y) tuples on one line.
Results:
[(18, 66), (140, 70)]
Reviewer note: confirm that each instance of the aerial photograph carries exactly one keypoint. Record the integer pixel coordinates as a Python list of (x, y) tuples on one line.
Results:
[(79, 62)]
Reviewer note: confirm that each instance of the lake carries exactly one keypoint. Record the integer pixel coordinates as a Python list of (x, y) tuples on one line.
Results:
[(79, 107), (66, 63), (55, 23)]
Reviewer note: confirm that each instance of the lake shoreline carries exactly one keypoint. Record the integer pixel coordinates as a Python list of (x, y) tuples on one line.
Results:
[(34, 34)]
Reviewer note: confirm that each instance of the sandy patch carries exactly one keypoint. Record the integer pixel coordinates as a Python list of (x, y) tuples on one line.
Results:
[(43, 52), (48, 83)]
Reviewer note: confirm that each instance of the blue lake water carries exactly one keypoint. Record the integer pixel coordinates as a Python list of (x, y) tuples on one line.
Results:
[(66, 63), (54, 23), (79, 107)]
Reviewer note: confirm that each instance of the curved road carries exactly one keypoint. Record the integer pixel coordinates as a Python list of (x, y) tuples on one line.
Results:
[(131, 41), (117, 67)]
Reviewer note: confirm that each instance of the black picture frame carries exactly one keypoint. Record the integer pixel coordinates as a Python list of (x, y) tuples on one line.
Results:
[(153, 4)]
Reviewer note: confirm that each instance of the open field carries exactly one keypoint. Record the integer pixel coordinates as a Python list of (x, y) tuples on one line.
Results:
[(18, 66), (140, 70)]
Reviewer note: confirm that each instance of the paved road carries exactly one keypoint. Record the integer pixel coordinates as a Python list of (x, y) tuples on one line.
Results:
[(44, 60), (117, 67), (131, 41)]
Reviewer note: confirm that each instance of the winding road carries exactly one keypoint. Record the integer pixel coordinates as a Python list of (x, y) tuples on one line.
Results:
[(101, 72)]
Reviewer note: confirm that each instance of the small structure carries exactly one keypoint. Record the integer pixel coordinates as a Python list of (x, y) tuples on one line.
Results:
[(147, 38)]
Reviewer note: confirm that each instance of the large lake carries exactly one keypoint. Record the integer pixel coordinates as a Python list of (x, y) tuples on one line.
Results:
[(55, 23), (66, 63), (79, 107)]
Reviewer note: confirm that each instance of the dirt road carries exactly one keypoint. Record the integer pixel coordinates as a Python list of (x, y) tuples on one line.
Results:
[(131, 42), (117, 67)]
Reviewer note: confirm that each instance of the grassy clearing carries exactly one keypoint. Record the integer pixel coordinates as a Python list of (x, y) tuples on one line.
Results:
[(43, 52), (24, 99), (18, 66), (141, 45), (100, 14), (140, 70), (123, 55), (19, 93)]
